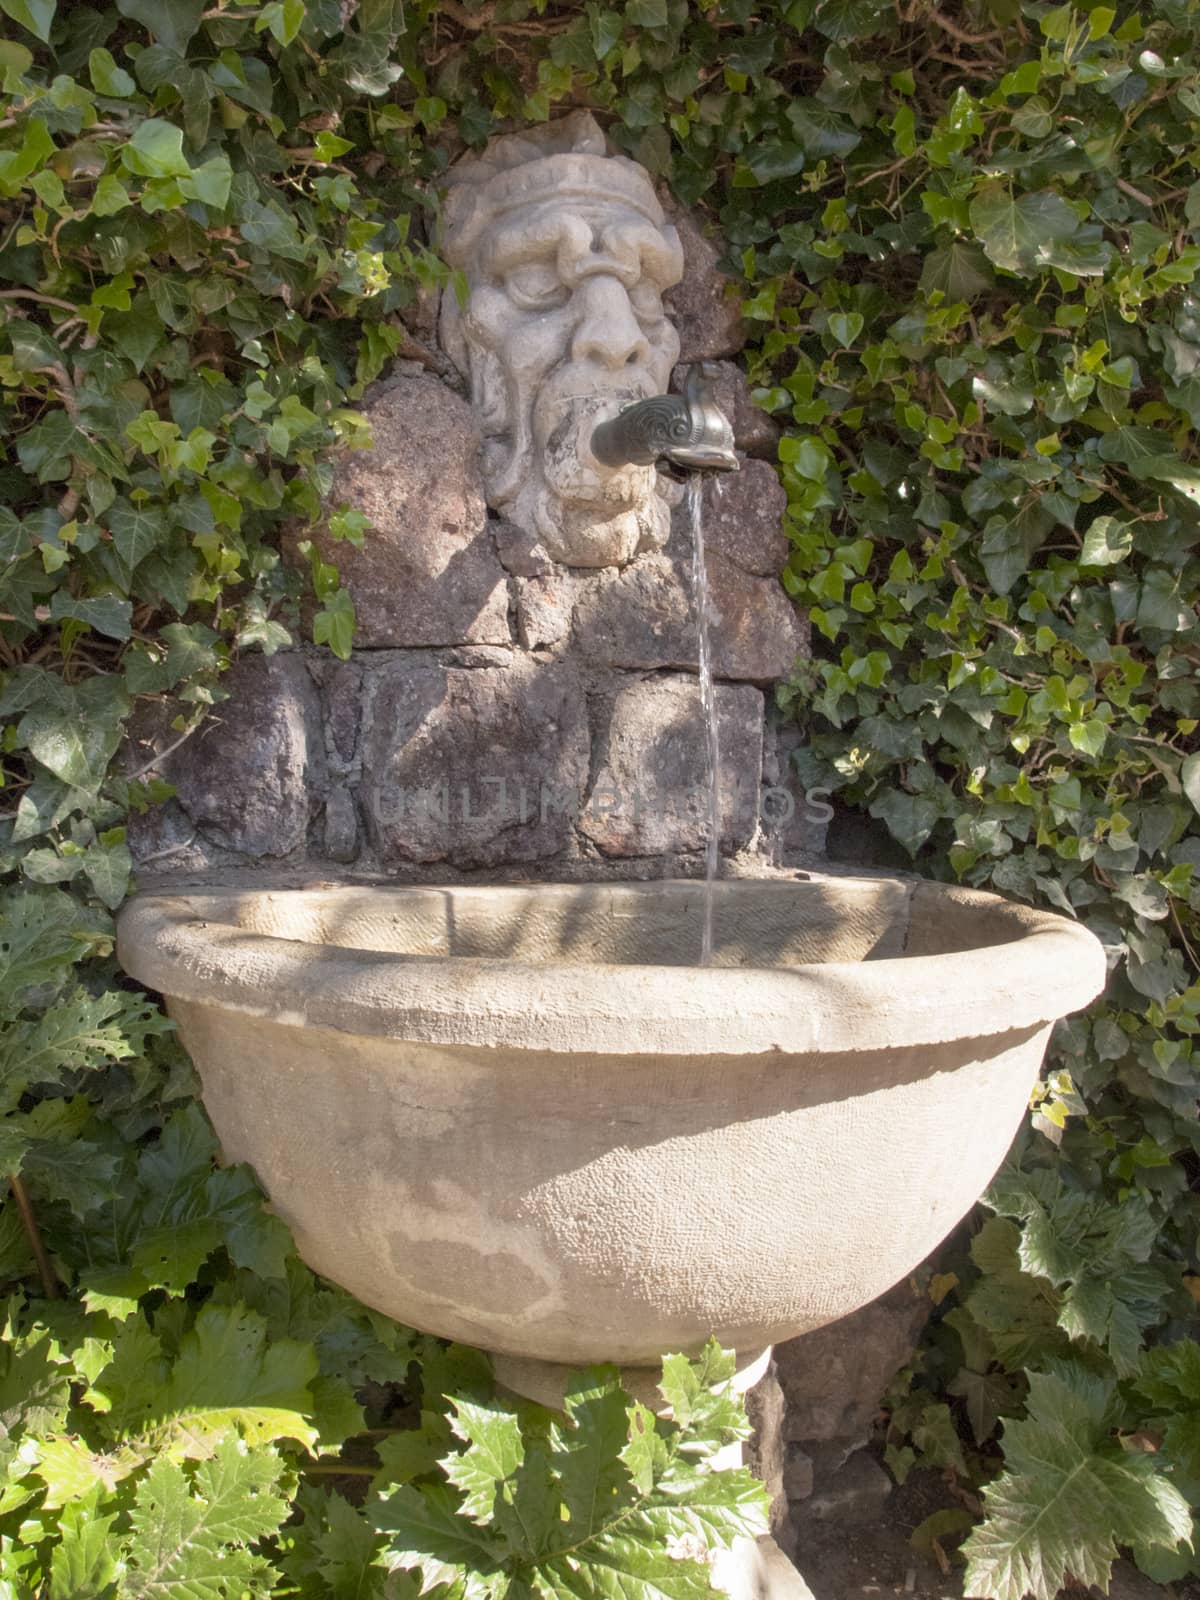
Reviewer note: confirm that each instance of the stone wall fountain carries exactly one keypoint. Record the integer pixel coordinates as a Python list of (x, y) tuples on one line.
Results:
[(395, 906)]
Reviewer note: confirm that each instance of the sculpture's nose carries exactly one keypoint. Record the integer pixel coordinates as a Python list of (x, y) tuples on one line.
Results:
[(607, 331)]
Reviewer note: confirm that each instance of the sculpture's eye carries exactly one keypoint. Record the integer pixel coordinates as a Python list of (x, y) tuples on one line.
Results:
[(536, 286), (646, 302)]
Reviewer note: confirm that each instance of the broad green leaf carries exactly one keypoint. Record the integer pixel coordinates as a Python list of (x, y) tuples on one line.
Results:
[(1069, 1495), (107, 77), (84, 1559), (958, 271), (493, 1454), (35, 15), (228, 1380), (191, 1535), (1020, 233), (172, 22), (156, 151)]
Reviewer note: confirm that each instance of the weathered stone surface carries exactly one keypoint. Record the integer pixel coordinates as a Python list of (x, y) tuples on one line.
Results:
[(644, 618), (544, 608), (754, 431), (649, 790), (251, 777), (743, 518), (755, 629), (797, 1473), (765, 1450), (795, 821), (520, 552), (341, 824), (706, 314), (458, 761), (834, 1378), (342, 696), (856, 1492), (427, 572), (550, 207)]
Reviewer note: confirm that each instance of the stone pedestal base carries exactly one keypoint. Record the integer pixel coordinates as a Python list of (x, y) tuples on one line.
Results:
[(546, 1381)]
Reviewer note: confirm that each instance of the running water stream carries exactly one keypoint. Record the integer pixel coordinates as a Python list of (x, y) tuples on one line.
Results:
[(695, 490)]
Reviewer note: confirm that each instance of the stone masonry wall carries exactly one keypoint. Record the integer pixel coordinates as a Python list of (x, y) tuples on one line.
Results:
[(503, 713)]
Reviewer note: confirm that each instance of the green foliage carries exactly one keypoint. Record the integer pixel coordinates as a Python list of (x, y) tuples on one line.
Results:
[(1069, 1494), (610, 1501), (966, 244)]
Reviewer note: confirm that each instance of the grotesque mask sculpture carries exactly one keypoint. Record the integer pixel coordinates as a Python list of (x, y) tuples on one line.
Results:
[(566, 254)]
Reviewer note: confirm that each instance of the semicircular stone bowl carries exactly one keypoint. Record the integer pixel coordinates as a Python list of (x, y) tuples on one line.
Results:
[(526, 1119)]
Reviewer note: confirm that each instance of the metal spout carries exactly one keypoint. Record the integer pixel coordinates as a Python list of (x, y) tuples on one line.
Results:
[(688, 430)]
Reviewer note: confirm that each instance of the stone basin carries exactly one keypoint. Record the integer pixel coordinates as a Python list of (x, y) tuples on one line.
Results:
[(523, 1118)]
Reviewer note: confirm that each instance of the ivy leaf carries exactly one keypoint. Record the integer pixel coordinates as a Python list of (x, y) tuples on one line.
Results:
[(1107, 541), (820, 131), (1019, 234), (647, 13), (136, 530), (107, 77), (156, 151), (190, 1536), (333, 624), (35, 15), (910, 818), (1068, 1495), (107, 614), (958, 271), (172, 22)]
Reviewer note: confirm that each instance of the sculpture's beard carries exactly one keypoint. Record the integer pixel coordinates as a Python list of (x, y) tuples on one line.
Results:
[(584, 513)]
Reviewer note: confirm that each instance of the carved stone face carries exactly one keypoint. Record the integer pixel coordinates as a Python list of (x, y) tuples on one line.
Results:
[(566, 254)]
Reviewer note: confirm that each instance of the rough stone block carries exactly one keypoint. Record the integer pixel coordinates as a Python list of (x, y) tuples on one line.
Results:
[(520, 552), (476, 766), (544, 610), (797, 1473), (743, 519), (795, 828), (643, 618), (342, 694), (251, 777), (766, 1450), (835, 1377), (702, 306), (427, 572), (754, 431), (341, 824), (856, 1492), (649, 788)]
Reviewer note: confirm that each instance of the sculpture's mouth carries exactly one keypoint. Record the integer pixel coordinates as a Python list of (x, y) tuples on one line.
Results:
[(566, 413)]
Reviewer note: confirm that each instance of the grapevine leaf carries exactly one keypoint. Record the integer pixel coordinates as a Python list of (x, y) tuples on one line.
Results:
[(190, 1537), (1068, 1495)]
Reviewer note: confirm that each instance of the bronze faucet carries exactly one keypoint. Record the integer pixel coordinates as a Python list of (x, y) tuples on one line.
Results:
[(688, 430)]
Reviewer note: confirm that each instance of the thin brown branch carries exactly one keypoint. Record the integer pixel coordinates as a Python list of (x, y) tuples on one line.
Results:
[(162, 755), (1135, 194), (50, 1284), (42, 299), (961, 35)]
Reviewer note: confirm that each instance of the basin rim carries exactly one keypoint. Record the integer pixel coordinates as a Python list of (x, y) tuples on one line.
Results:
[(186, 946)]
